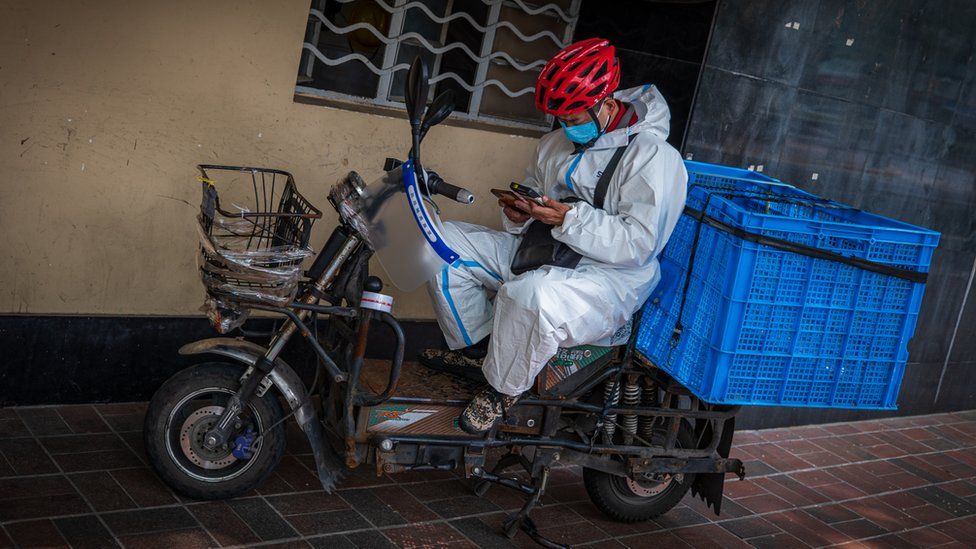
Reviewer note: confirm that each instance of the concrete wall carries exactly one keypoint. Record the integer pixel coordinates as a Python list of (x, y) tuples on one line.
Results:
[(106, 107)]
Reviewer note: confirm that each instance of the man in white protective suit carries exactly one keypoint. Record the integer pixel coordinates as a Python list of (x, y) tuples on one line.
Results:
[(536, 312)]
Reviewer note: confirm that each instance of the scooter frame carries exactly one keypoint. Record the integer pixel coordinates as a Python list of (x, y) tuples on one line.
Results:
[(341, 432)]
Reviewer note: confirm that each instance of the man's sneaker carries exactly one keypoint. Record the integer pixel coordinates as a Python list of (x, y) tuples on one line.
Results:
[(453, 362), (485, 410)]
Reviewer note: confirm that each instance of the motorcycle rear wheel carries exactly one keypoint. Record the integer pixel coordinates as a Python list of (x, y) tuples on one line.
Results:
[(629, 500), (184, 408)]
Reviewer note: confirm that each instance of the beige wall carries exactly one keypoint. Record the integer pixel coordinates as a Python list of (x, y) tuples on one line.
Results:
[(106, 107)]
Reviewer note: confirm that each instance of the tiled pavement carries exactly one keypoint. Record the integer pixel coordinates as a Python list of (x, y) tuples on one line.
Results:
[(76, 475)]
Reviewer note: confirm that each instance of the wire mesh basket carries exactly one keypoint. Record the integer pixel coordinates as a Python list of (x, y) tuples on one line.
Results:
[(254, 237)]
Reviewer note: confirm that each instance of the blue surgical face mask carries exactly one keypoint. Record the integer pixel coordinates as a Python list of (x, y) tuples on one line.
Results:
[(581, 133)]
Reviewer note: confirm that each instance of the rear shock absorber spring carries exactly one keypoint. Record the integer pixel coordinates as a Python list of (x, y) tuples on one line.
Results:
[(611, 395), (649, 399), (632, 396)]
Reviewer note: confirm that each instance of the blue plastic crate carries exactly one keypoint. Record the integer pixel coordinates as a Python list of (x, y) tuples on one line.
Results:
[(765, 326)]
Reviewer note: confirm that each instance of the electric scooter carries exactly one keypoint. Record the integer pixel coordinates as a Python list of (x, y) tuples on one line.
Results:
[(216, 430)]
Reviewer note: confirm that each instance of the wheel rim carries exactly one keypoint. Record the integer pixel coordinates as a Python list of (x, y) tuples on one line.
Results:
[(186, 425)]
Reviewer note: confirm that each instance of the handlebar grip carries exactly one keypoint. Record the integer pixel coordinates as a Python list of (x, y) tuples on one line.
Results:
[(443, 188), (458, 194)]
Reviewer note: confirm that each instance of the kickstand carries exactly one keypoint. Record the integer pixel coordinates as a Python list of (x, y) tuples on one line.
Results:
[(521, 518), (506, 461)]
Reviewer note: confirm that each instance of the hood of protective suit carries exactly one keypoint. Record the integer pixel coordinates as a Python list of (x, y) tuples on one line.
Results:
[(653, 116)]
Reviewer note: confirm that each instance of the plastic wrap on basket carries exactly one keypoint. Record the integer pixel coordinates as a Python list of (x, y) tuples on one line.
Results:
[(250, 253), (224, 316)]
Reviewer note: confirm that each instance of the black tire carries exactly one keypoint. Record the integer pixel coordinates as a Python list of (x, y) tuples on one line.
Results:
[(176, 466), (614, 496)]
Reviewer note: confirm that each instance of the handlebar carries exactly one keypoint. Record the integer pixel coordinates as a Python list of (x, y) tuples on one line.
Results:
[(443, 188), (436, 184)]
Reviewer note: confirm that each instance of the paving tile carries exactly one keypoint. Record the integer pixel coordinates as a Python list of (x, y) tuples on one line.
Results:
[(43, 421), (368, 540), (662, 540), (960, 488), (962, 530), (929, 514), (122, 408), (223, 524), (859, 528), (76, 444), (149, 520), (83, 419), (813, 478), (807, 528), (22, 487), (123, 423), (756, 468), (764, 503), (102, 492), (777, 541), (262, 518), (572, 533), (310, 502), (328, 522), (461, 506), (36, 533), (144, 487), (614, 528), (483, 535), (336, 541), (750, 527), (427, 535), (193, 538), (743, 488), (26, 457), (443, 489), (954, 505), (136, 444), (881, 514), (297, 475), (97, 461), (42, 506), (678, 517), (840, 491), (902, 500), (925, 537), (292, 544), (5, 540), (708, 536), (11, 427), (832, 513), (85, 531), (387, 505)]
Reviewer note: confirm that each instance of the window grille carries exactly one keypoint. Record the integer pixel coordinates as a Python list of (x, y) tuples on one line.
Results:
[(488, 51)]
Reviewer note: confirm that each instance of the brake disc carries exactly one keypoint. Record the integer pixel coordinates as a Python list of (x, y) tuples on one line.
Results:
[(651, 486), (192, 434)]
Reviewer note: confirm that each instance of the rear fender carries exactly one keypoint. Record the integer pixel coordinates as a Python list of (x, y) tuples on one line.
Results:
[(284, 378)]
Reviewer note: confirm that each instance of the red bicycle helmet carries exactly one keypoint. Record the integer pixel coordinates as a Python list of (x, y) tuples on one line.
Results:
[(577, 78)]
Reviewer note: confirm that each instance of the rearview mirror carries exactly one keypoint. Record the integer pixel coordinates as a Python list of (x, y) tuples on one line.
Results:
[(415, 93), (442, 106)]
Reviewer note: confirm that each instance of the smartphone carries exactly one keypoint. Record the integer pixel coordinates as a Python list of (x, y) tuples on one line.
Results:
[(526, 192)]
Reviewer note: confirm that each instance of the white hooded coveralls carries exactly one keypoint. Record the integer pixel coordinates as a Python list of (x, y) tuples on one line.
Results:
[(535, 313)]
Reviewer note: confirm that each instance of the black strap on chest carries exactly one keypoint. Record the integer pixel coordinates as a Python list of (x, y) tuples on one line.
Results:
[(602, 184)]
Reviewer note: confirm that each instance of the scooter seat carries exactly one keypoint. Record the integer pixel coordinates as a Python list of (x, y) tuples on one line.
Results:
[(570, 366)]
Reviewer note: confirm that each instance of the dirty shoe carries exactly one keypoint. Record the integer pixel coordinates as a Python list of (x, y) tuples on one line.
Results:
[(459, 363), (485, 410)]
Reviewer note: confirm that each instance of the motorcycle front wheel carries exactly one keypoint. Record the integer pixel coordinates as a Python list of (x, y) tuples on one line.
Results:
[(185, 408)]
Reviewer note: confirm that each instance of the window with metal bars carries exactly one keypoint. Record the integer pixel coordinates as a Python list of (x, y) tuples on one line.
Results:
[(488, 51)]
